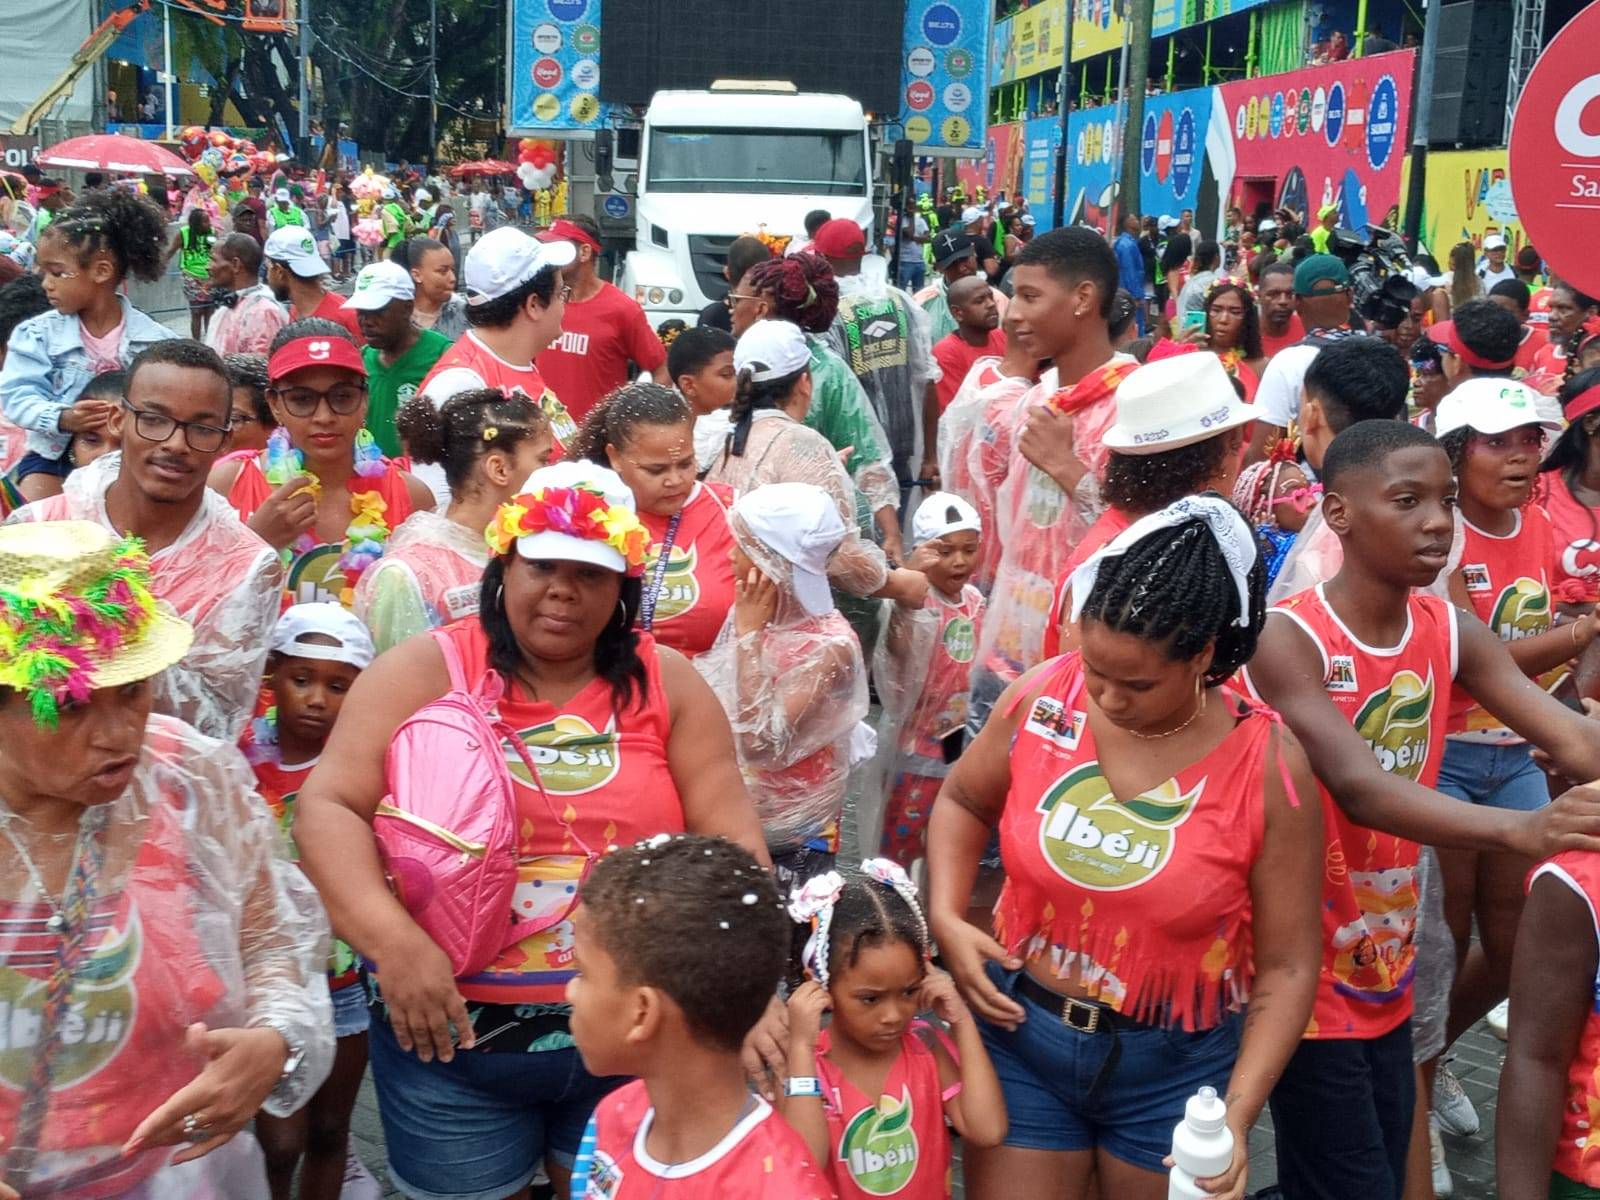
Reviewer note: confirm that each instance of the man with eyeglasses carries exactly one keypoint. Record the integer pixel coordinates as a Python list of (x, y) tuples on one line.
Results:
[(217, 574)]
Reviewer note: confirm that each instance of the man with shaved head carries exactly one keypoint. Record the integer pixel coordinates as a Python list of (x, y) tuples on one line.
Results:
[(977, 334)]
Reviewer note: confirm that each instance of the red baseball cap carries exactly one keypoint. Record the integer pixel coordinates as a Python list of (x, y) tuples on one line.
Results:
[(563, 230), (839, 238), (315, 351), (1446, 335)]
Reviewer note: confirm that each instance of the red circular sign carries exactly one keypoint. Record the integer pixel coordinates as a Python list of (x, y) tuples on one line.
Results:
[(1164, 146), (547, 72), (919, 96), (1554, 153)]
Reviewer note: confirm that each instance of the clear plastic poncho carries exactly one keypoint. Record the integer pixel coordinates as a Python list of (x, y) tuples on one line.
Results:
[(198, 916), (430, 574), (975, 437), (781, 450), (220, 577), (841, 412), (794, 693)]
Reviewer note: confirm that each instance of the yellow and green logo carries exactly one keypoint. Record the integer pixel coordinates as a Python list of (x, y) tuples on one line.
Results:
[(960, 640), (1396, 723), (1102, 843), (879, 1146), (315, 577), (1522, 610), (680, 589), (571, 754)]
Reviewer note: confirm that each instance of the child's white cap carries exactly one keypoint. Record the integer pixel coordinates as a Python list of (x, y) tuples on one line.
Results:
[(800, 523), (942, 513), (353, 644)]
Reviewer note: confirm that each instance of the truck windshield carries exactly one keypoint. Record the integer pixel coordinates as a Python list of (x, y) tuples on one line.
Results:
[(799, 162)]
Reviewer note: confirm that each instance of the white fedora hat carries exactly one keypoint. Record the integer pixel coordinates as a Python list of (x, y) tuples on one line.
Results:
[(1175, 402)]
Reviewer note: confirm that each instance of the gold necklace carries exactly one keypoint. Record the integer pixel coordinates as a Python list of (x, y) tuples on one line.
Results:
[(1153, 737)]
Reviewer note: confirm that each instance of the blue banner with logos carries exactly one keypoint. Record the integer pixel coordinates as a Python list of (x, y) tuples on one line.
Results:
[(944, 94), (1091, 165), (1041, 138), (1172, 149), (555, 66)]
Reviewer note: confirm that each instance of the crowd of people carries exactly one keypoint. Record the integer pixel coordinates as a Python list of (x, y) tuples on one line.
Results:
[(761, 755)]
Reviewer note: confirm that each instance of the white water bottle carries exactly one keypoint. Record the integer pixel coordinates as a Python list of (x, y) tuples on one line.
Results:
[(1202, 1145)]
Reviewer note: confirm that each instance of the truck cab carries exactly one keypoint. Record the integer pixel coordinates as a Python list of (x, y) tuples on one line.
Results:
[(720, 163)]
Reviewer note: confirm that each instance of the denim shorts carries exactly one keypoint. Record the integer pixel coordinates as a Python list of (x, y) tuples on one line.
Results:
[(32, 463), (1046, 1070), (1495, 775), (477, 1127), (349, 1010)]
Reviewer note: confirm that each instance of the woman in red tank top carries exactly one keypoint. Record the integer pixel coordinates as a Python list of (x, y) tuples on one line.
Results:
[(628, 742), (1570, 492), (1161, 871), (330, 532), (645, 433)]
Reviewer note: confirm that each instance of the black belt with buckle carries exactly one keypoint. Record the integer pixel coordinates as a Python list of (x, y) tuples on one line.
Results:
[(1085, 1016)]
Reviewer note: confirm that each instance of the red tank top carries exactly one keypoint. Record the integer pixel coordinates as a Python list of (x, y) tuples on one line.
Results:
[(762, 1158), (941, 708), (893, 1144), (314, 574), (1575, 573), (1577, 1149), (1111, 524), (697, 586), (607, 777), (1395, 698), (1146, 901), (1508, 579)]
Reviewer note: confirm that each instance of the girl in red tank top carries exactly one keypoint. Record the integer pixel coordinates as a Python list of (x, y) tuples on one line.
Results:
[(887, 1083), (1570, 492)]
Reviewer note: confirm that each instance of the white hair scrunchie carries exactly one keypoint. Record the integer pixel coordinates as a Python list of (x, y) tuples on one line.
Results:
[(1232, 535), (812, 904)]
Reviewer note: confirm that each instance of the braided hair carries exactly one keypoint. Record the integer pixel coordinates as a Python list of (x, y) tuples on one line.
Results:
[(613, 420), (750, 398), (1173, 586), (803, 289), (115, 221), (868, 912)]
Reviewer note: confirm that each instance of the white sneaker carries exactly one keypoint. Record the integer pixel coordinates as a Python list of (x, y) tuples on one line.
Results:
[(358, 1181), (1444, 1186), (1499, 1019), (1452, 1107)]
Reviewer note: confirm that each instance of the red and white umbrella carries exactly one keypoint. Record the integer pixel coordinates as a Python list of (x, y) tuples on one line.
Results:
[(114, 152)]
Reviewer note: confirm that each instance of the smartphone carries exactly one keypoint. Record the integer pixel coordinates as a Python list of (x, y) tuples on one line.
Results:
[(1194, 318)]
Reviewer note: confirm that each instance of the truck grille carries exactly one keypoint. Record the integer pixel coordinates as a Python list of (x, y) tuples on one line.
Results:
[(708, 256)]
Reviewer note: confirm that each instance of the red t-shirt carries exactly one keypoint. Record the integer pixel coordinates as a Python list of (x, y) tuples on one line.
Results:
[(332, 309), (1271, 345), (599, 338), (955, 358)]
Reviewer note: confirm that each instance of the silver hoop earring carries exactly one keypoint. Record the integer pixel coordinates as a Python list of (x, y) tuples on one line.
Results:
[(623, 605)]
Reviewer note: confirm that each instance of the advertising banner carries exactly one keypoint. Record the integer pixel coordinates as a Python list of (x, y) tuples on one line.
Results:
[(555, 66), (1334, 133), (1172, 147), (1000, 165), (944, 87), (1097, 26), (1041, 138), (1554, 154), (1091, 165), (1466, 197), (1212, 9), (1032, 41)]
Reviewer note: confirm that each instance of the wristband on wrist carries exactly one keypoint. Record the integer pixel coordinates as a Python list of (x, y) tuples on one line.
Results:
[(802, 1085)]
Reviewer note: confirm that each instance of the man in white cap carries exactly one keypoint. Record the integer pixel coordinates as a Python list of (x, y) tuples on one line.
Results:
[(396, 220), (1494, 268), (284, 211), (295, 272), (398, 354)]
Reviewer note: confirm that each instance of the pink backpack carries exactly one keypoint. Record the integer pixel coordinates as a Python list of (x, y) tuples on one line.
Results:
[(447, 830)]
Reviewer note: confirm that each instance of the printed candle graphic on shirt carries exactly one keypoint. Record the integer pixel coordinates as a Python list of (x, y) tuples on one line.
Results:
[(879, 1146), (1100, 842)]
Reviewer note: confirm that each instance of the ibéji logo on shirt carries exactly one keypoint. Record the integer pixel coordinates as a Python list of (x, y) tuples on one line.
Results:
[(680, 588), (1104, 844), (1521, 610), (960, 642), (1395, 722), (879, 1146), (571, 754)]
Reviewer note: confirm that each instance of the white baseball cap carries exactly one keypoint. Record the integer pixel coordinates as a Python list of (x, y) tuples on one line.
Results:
[(771, 350), (1265, 225), (1489, 405), (800, 523), (423, 195), (942, 513), (1175, 402), (1494, 242), (972, 214), (352, 642), (1165, 222), (281, 194), (567, 547), (292, 245), (380, 283), (504, 259)]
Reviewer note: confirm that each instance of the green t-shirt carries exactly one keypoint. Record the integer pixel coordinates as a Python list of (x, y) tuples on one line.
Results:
[(278, 218), (390, 387)]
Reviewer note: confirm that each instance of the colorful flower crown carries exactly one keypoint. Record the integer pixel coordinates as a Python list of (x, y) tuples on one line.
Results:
[(50, 638), (576, 512)]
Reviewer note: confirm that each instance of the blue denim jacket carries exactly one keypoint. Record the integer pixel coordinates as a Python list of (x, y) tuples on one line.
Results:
[(46, 367)]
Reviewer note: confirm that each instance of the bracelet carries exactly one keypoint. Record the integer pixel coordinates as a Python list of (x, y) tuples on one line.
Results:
[(802, 1085)]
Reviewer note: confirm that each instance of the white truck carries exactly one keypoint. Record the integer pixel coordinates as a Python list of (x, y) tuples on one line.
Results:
[(716, 164)]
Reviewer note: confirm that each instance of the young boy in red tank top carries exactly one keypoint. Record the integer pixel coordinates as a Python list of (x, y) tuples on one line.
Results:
[(680, 942), (1389, 498)]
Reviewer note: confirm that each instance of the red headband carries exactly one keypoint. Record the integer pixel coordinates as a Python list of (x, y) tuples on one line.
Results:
[(563, 230), (1584, 403), (1446, 334), (315, 351)]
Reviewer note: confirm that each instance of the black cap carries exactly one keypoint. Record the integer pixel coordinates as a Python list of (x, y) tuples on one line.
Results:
[(951, 246)]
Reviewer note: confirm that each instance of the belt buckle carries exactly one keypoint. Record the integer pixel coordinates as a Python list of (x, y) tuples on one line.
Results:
[(1075, 1014)]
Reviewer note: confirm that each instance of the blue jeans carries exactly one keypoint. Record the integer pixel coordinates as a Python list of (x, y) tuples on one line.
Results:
[(1047, 1069), (1494, 775), (912, 275), (477, 1127)]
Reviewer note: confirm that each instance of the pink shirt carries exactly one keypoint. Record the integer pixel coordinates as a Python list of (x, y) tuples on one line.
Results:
[(103, 351)]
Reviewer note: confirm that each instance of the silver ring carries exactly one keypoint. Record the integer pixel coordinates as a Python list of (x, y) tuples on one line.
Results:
[(193, 1129)]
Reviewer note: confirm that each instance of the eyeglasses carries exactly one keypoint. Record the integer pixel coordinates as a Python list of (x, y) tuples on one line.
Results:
[(304, 402), (732, 296), (158, 427)]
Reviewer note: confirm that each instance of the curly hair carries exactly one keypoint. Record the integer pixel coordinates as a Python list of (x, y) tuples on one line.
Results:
[(468, 426), (803, 289), (1250, 333), (613, 420), (127, 226), (1173, 586), (1142, 483)]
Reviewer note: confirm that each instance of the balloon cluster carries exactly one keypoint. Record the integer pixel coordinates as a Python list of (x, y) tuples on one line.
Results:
[(368, 189), (537, 163)]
